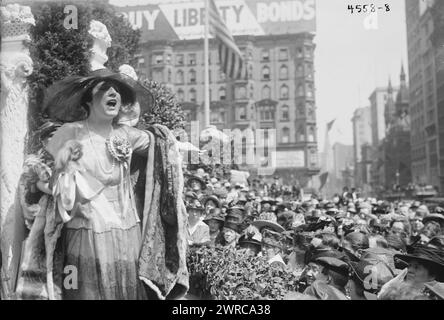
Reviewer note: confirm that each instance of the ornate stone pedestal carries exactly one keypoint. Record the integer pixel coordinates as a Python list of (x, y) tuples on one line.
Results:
[(15, 66)]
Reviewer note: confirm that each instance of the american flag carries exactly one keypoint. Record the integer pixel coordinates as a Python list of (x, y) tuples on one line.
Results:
[(230, 56)]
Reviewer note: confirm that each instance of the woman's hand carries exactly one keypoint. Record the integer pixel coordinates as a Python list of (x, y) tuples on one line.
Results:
[(44, 187)]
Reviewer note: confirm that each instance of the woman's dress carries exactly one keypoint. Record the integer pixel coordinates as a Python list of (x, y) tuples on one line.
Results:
[(102, 238)]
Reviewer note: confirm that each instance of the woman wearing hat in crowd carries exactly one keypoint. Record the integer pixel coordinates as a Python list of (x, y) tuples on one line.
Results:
[(211, 202), (272, 247), (425, 265), (197, 185), (230, 234), (251, 241), (215, 221), (199, 231), (331, 281)]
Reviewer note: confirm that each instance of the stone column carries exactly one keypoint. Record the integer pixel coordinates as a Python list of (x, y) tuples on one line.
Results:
[(15, 67)]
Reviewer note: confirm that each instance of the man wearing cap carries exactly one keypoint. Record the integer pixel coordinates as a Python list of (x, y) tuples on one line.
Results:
[(331, 281)]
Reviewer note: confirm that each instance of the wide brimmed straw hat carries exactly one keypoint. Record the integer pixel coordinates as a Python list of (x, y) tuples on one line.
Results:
[(65, 100)]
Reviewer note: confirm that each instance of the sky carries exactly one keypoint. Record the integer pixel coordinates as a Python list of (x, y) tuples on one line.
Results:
[(350, 59)]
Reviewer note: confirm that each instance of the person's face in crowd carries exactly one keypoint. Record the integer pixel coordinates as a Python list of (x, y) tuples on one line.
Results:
[(106, 102), (251, 249), (336, 200), (223, 210), (269, 251), (195, 185), (430, 229), (229, 235), (210, 205), (418, 274), (398, 229), (329, 228), (311, 272), (193, 215), (416, 225), (214, 226)]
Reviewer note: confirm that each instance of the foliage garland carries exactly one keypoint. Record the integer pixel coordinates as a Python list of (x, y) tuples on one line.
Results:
[(230, 274)]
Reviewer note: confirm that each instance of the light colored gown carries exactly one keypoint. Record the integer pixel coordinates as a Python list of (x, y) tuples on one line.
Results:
[(102, 233)]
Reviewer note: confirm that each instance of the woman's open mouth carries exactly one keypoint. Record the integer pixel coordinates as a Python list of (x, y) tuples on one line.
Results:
[(111, 103)]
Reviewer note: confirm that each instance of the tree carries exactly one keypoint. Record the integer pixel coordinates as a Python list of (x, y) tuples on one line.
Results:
[(166, 109), (58, 52)]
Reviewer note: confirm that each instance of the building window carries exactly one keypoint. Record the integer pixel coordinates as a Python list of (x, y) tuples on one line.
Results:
[(241, 113), (192, 76), (309, 68), (310, 91), (285, 135), (300, 134), (266, 113), (179, 77), (311, 135), (169, 76), (266, 92), (299, 53), (265, 73), (300, 90), (283, 73), (250, 71), (265, 55), (193, 97), (222, 76), (222, 93), (180, 95), (283, 54), (308, 52), (301, 110), (251, 91), (299, 70), (241, 93), (157, 76), (192, 59), (179, 59), (168, 58), (285, 113), (158, 59), (284, 92)]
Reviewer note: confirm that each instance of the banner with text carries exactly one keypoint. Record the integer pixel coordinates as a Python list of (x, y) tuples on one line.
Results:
[(184, 20)]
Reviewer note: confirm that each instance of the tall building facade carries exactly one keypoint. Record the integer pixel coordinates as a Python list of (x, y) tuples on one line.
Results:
[(438, 44), (423, 92), (362, 135), (278, 94)]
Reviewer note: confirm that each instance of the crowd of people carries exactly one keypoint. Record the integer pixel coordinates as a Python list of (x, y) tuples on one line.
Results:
[(344, 248)]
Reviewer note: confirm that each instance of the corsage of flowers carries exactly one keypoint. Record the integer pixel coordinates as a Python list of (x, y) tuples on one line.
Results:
[(120, 149)]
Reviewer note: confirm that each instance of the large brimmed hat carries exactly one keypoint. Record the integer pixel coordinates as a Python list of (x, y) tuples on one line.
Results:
[(429, 254), (438, 217), (232, 225), (268, 220), (211, 198), (65, 99), (196, 178), (215, 215)]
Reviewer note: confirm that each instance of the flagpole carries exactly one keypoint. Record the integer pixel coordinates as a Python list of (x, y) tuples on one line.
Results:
[(206, 68)]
